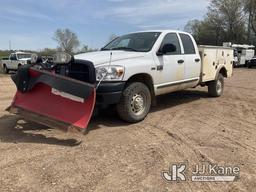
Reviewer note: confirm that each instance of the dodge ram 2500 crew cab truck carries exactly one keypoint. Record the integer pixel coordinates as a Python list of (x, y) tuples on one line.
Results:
[(15, 60), (129, 72), (135, 68)]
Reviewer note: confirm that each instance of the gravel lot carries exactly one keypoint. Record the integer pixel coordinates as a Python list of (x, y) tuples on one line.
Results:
[(115, 156)]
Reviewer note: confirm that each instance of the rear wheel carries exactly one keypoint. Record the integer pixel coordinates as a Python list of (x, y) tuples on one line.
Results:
[(216, 88), (6, 70), (135, 103), (247, 63)]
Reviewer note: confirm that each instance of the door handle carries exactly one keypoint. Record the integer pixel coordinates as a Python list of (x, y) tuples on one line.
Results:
[(159, 67), (197, 60), (181, 61)]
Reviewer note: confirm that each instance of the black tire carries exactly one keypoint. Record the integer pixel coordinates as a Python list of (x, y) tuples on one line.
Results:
[(249, 66), (6, 70), (216, 88), (247, 63), (135, 103)]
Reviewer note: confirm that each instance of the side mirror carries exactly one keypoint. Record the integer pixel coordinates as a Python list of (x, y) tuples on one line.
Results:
[(167, 48)]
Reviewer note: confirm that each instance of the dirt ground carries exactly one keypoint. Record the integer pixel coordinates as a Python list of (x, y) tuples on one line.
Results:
[(115, 156)]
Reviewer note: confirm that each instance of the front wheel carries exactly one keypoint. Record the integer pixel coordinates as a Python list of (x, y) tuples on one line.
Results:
[(6, 70), (135, 103), (216, 87)]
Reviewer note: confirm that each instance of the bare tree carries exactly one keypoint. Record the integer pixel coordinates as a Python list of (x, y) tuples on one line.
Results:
[(67, 40), (250, 9), (232, 17), (193, 27)]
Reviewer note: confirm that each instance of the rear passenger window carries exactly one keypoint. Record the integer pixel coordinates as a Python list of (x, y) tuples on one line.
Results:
[(187, 44), (172, 38)]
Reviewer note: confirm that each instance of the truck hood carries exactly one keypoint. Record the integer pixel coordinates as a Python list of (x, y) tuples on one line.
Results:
[(102, 57)]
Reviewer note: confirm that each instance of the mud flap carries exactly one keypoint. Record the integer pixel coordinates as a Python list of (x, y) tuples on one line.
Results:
[(53, 100)]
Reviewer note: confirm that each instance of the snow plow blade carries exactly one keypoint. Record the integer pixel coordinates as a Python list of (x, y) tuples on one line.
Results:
[(53, 100)]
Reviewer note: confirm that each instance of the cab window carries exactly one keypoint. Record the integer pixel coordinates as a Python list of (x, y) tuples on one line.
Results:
[(173, 39), (188, 44), (13, 57)]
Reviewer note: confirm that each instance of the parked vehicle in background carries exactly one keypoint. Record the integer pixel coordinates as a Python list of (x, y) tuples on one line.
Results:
[(128, 73), (15, 60), (242, 53), (1, 62), (252, 62)]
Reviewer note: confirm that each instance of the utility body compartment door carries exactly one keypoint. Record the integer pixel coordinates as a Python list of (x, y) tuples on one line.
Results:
[(213, 59)]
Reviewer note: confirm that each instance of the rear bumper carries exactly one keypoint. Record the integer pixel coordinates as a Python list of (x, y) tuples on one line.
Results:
[(109, 93)]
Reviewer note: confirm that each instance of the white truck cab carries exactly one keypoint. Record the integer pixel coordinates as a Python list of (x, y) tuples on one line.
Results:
[(15, 60)]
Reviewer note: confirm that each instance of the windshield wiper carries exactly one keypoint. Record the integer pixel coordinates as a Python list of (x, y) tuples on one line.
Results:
[(104, 49), (125, 49)]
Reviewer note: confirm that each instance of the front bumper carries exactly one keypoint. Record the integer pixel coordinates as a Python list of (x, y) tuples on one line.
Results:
[(252, 62), (109, 93)]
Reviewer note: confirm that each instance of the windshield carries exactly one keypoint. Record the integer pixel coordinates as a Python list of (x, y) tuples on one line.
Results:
[(23, 56), (141, 42)]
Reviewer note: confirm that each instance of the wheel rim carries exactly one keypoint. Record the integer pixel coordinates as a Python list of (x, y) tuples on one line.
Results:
[(219, 87), (138, 102)]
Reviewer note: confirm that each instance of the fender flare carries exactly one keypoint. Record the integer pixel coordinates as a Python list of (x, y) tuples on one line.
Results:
[(221, 70)]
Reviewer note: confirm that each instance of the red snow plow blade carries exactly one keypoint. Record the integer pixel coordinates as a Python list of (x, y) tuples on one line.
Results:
[(53, 100)]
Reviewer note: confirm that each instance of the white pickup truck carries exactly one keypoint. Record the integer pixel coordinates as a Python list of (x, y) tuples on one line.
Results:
[(129, 72), (15, 60)]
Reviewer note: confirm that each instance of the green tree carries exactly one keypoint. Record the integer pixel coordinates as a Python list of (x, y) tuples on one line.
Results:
[(224, 21), (193, 27), (230, 14)]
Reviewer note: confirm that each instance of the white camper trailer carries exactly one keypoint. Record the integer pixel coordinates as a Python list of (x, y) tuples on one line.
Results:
[(242, 53)]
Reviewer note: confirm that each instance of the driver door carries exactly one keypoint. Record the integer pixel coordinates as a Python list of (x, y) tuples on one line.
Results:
[(13, 61), (170, 66)]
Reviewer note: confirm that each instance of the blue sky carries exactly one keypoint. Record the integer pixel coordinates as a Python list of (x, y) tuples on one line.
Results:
[(30, 24)]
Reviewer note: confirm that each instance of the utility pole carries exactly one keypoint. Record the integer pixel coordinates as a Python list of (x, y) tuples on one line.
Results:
[(10, 45)]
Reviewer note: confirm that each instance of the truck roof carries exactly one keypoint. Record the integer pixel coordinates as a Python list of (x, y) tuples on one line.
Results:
[(20, 52), (162, 31), (244, 46)]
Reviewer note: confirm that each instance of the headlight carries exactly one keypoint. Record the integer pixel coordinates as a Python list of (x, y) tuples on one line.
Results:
[(110, 73), (61, 58)]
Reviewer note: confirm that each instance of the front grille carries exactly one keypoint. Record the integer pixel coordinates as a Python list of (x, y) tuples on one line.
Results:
[(79, 69)]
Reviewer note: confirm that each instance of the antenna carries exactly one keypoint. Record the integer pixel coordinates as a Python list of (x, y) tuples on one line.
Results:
[(110, 59)]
